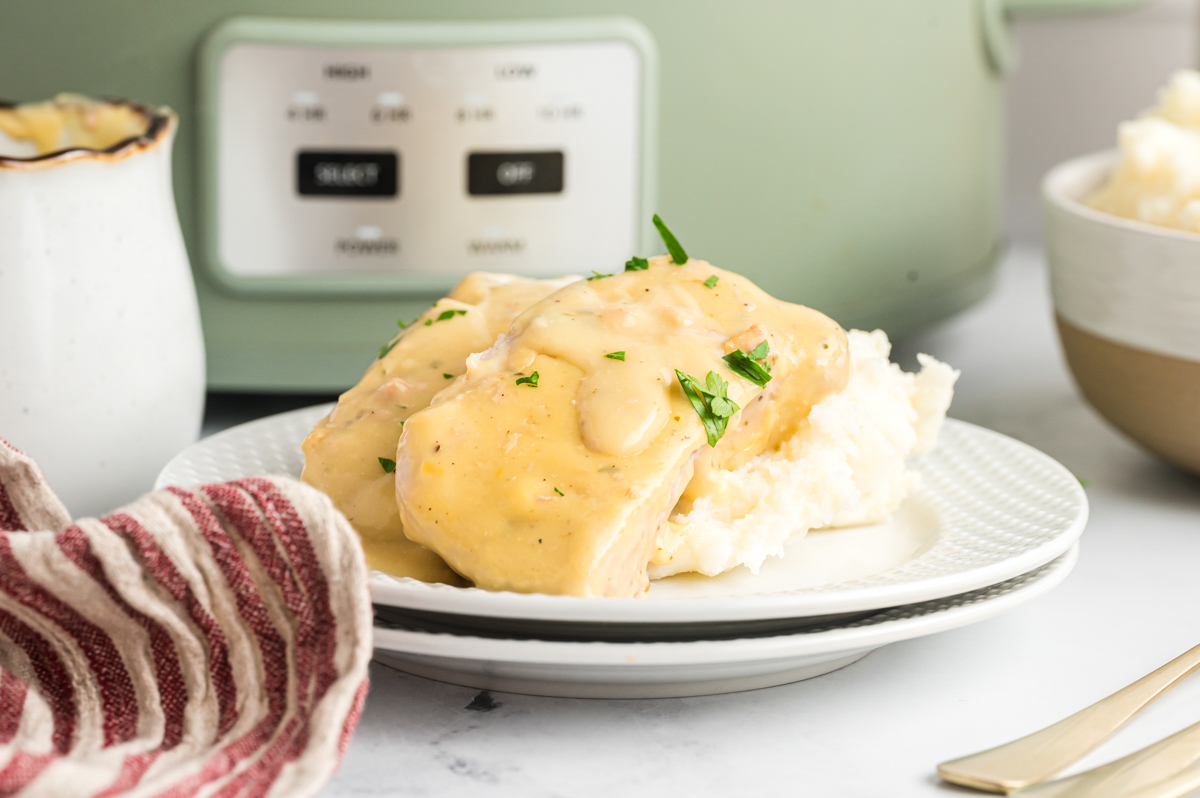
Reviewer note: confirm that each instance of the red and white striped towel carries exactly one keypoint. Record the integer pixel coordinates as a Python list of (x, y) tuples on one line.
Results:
[(212, 642)]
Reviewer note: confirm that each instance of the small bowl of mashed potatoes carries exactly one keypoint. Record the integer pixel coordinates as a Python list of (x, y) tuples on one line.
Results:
[(1123, 244)]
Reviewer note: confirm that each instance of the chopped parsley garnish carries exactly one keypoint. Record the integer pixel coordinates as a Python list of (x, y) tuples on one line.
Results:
[(531, 380), (636, 264), (598, 275), (559, 492), (383, 350), (448, 376), (388, 465), (616, 356), (446, 314), (711, 281), (710, 402), (750, 366), (673, 246)]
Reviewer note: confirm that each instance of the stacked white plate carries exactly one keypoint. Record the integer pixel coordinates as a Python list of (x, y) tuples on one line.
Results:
[(994, 524)]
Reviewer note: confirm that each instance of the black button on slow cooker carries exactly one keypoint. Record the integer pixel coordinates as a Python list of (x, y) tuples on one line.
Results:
[(490, 173), (348, 173)]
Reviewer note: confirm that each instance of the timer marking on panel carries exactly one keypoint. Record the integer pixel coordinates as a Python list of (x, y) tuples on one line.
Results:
[(560, 112), (390, 107), (306, 107)]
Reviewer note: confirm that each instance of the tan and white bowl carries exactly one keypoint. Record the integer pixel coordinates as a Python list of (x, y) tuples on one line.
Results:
[(1127, 300)]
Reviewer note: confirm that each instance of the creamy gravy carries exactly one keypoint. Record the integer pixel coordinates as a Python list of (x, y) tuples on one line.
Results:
[(562, 487), (341, 454), (71, 121)]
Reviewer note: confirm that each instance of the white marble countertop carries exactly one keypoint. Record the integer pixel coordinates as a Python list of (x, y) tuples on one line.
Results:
[(877, 727)]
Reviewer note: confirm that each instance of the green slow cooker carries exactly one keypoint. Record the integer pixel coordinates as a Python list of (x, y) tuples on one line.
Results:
[(843, 154)]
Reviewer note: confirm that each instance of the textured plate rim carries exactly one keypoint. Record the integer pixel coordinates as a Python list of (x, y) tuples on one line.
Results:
[(409, 593), (660, 654), (175, 463)]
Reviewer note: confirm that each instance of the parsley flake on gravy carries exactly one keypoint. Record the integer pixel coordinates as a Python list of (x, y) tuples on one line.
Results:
[(559, 492), (448, 376), (388, 465), (616, 356), (673, 246), (749, 365), (710, 402), (711, 281), (636, 264), (598, 275), (383, 350), (531, 380), (445, 315)]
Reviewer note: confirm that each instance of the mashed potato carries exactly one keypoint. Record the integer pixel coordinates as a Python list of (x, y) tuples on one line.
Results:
[(1158, 177), (845, 467)]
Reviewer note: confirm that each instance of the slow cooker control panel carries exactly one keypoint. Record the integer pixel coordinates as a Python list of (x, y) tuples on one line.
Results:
[(395, 161)]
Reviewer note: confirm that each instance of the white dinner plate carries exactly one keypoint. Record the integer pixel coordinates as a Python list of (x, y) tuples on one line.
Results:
[(707, 667), (988, 509)]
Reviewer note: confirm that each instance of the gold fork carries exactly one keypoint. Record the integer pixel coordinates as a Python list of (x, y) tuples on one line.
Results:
[(1037, 757), (1166, 768)]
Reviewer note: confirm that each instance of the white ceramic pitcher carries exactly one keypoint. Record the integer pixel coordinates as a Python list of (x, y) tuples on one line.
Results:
[(101, 355)]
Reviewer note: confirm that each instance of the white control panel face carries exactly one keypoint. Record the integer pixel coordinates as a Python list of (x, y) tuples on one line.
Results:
[(432, 161)]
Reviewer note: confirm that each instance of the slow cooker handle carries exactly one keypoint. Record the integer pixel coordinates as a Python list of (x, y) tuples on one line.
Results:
[(1002, 51)]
